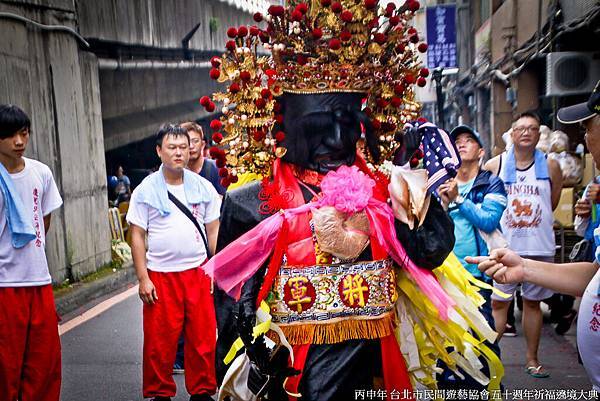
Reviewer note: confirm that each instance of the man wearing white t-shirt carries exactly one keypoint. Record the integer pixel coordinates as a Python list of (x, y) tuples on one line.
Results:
[(173, 286), (30, 360), (533, 186)]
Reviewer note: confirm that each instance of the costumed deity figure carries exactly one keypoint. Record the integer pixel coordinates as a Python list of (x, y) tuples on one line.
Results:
[(328, 250)]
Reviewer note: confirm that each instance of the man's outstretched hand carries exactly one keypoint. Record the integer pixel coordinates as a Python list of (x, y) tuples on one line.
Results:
[(503, 265)]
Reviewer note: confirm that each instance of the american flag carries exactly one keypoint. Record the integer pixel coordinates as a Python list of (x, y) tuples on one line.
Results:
[(441, 158)]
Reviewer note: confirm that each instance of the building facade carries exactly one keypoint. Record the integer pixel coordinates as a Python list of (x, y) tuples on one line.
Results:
[(518, 55)]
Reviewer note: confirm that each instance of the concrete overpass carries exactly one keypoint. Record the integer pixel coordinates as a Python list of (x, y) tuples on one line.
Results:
[(97, 75)]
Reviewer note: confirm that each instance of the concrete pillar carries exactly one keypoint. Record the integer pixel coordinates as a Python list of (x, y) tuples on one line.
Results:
[(56, 83)]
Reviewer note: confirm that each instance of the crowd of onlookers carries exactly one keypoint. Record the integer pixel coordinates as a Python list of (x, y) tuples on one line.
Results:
[(506, 202), (504, 235), (508, 205)]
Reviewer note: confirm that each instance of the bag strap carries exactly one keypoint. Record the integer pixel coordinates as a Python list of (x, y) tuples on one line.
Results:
[(190, 216)]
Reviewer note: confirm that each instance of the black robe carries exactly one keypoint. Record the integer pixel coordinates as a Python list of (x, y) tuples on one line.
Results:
[(332, 371)]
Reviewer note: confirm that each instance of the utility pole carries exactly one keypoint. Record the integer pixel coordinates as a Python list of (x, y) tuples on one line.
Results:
[(437, 77)]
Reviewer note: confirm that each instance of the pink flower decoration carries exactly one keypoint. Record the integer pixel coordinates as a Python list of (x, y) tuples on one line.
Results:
[(347, 189)]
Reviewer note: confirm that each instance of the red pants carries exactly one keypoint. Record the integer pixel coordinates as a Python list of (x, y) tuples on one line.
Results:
[(184, 302), (30, 365)]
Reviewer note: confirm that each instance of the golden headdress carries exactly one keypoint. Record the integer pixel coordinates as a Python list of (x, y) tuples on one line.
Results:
[(316, 46)]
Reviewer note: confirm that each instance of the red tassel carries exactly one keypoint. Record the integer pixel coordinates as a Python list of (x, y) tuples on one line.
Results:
[(380, 192), (395, 374), (293, 383)]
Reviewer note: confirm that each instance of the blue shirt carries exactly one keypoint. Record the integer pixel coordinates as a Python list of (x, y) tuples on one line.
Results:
[(592, 225), (483, 206), (597, 240), (464, 232), (210, 171)]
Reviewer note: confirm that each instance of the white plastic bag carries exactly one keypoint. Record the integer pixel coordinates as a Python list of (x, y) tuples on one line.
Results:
[(571, 167), (235, 382)]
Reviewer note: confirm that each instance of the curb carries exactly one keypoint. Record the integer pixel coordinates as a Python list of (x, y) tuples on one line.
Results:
[(84, 293)]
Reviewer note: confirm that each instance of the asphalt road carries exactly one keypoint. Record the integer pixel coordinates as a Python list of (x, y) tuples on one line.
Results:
[(102, 359), (558, 354)]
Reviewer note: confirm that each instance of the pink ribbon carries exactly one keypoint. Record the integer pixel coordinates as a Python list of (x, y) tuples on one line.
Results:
[(241, 259)]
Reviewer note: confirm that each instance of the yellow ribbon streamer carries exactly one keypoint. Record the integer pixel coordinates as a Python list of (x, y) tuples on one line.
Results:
[(457, 274), (261, 328), (433, 336)]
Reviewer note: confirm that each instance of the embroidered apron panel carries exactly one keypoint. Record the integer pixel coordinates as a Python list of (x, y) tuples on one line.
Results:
[(325, 294)]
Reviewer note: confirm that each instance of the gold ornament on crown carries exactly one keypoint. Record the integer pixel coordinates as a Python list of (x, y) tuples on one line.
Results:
[(316, 46)]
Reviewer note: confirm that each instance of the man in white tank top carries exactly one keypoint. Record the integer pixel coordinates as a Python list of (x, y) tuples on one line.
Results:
[(533, 186), (577, 279)]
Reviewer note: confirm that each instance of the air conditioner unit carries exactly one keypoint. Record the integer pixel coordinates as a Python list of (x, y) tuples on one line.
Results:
[(571, 73)]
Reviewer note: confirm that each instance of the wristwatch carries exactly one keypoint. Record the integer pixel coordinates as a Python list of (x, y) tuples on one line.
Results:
[(459, 200)]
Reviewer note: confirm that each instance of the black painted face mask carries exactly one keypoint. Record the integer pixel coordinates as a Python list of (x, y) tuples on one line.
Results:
[(322, 129)]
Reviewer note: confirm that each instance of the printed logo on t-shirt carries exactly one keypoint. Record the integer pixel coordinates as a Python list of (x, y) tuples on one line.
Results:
[(196, 214), (524, 210), (595, 322), (36, 218)]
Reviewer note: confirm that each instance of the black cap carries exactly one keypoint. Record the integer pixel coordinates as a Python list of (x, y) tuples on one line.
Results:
[(465, 129), (582, 111)]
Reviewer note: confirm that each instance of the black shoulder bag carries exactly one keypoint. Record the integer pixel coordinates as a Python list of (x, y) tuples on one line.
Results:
[(190, 216)]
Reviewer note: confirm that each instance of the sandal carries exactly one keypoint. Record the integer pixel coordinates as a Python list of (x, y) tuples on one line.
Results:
[(536, 372)]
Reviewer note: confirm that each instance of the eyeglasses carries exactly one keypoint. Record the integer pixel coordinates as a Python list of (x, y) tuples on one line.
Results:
[(532, 128), (196, 141)]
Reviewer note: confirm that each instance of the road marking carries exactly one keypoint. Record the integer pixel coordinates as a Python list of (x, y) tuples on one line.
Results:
[(96, 310)]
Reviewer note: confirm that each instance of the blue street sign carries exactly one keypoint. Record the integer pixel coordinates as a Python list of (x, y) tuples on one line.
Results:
[(441, 36)]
